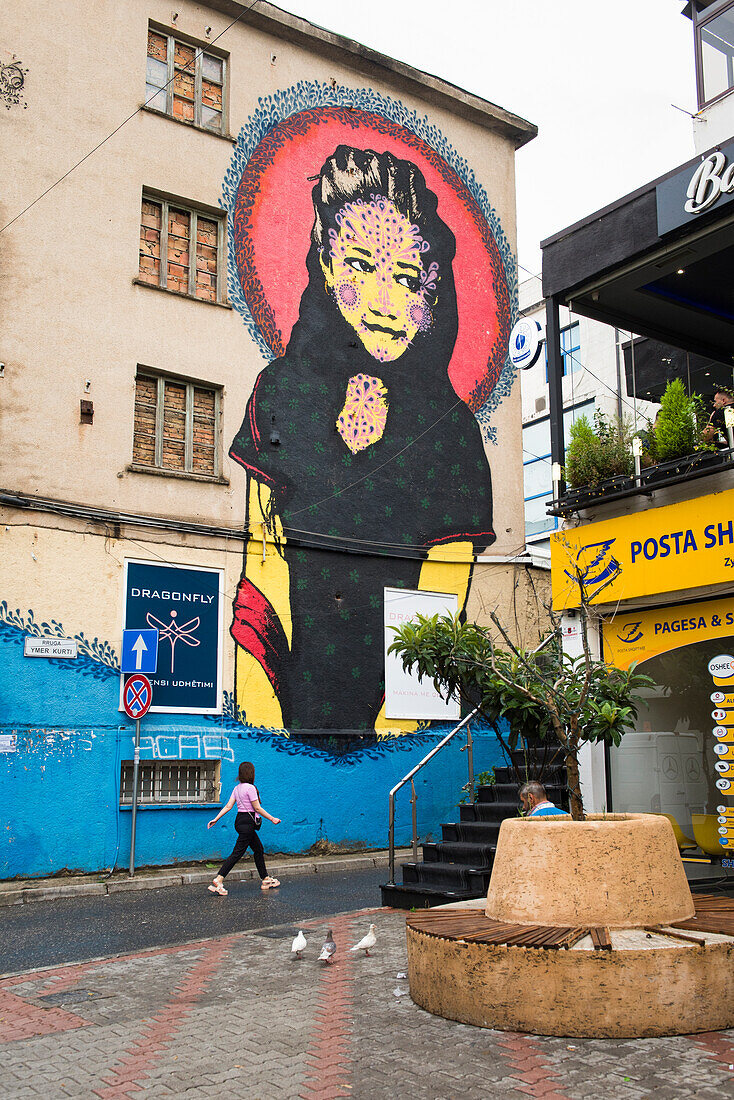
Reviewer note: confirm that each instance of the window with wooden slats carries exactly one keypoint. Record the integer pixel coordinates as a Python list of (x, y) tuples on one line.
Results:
[(185, 81), (176, 425), (180, 249)]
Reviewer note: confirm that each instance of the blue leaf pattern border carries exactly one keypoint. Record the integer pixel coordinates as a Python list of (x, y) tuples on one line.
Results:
[(98, 659)]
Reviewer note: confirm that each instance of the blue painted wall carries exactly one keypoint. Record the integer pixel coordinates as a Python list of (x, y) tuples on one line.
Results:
[(59, 790)]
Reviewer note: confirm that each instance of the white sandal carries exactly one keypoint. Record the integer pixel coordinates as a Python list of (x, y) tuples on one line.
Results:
[(269, 883), (218, 888)]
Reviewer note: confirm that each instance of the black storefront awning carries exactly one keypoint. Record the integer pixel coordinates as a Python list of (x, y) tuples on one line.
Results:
[(658, 262)]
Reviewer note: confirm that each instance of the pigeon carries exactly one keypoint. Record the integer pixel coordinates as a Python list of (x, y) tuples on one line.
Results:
[(329, 949), (367, 941), (298, 944)]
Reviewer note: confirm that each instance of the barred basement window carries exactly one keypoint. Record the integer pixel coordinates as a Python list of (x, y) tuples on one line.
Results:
[(162, 781), (180, 250), (185, 82), (176, 425)]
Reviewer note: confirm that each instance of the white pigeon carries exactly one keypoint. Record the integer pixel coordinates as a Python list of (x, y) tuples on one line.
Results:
[(298, 944), (367, 941), (329, 949)]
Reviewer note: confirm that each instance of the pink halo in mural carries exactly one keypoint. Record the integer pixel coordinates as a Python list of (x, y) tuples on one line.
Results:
[(273, 217)]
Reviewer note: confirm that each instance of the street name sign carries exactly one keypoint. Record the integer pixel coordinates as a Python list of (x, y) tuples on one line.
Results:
[(49, 647)]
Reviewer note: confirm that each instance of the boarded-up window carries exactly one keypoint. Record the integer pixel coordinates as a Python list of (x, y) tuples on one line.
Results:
[(176, 425), (185, 81), (167, 232)]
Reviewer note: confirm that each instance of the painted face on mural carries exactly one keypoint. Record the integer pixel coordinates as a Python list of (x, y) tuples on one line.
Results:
[(377, 271)]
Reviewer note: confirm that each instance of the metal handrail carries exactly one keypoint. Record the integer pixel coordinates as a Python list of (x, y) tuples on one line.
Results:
[(409, 778)]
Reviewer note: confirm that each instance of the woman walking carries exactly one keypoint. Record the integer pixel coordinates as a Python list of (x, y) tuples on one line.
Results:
[(247, 822)]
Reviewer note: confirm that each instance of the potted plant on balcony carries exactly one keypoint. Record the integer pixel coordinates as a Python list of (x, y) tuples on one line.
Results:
[(682, 437), (599, 458)]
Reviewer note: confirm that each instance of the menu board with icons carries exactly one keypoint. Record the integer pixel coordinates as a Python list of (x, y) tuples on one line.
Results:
[(722, 673)]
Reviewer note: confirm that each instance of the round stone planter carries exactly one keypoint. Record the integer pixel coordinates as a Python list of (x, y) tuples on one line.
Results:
[(612, 870), (576, 937)]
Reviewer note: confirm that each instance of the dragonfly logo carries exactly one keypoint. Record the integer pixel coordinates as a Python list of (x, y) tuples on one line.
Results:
[(174, 632), (596, 567), (630, 633)]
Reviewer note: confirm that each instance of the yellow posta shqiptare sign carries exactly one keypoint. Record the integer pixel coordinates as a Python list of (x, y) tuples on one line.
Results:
[(666, 549), (639, 635)]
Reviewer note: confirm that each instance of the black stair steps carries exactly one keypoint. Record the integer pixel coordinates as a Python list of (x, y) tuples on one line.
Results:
[(458, 867), (476, 855), (422, 896)]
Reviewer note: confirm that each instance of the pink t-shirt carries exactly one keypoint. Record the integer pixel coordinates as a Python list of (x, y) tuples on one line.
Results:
[(244, 795)]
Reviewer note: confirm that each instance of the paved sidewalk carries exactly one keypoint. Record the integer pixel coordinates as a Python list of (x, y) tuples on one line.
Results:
[(236, 1017), (20, 891)]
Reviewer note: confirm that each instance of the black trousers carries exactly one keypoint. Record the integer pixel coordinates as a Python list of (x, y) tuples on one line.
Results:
[(246, 838)]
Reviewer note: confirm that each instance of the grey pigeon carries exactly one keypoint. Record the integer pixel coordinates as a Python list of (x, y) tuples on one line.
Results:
[(329, 949)]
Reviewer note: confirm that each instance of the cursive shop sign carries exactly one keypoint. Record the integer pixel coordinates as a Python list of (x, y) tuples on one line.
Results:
[(696, 189)]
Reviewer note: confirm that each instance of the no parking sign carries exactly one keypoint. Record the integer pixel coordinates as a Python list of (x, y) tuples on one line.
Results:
[(137, 695)]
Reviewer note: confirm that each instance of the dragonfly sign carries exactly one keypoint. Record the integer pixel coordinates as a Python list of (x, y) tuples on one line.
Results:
[(182, 607)]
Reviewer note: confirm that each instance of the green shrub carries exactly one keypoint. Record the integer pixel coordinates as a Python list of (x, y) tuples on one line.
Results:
[(679, 423), (597, 453)]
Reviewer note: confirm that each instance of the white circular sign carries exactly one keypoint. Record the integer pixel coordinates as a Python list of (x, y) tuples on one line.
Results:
[(723, 784), (525, 343), (720, 731), (717, 696), (721, 809), (722, 666), (721, 750), (722, 766), (718, 715)]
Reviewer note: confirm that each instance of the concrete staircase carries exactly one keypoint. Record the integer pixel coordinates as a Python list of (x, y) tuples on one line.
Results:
[(458, 867)]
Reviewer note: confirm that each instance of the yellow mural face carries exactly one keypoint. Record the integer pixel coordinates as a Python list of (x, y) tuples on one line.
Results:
[(375, 272)]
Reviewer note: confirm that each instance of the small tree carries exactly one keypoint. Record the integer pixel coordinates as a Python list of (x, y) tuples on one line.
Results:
[(574, 700), (680, 423)]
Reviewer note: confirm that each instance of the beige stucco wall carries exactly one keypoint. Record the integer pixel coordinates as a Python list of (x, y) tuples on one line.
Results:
[(66, 275)]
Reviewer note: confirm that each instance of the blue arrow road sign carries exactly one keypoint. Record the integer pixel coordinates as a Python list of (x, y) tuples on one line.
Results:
[(139, 650)]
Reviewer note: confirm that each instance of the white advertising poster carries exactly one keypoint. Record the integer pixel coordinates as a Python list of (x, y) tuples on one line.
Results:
[(405, 695)]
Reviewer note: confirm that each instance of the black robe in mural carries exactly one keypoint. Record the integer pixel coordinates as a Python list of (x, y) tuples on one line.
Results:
[(353, 523)]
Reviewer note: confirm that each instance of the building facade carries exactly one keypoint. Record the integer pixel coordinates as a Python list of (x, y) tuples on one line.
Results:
[(259, 283), (656, 553)]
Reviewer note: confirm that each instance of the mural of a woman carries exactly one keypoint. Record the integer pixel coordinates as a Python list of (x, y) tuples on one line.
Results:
[(363, 463)]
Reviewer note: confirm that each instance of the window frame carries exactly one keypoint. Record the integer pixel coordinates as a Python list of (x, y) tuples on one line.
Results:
[(209, 784), (201, 48), (166, 202), (160, 378), (701, 18), (570, 415), (567, 354)]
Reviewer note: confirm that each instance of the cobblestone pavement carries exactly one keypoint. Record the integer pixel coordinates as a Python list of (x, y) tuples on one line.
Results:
[(236, 1017)]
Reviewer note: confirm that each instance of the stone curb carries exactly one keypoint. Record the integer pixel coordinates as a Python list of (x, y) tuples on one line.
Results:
[(16, 894)]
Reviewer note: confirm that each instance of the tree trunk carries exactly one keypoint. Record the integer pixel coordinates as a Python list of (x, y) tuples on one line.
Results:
[(574, 787)]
